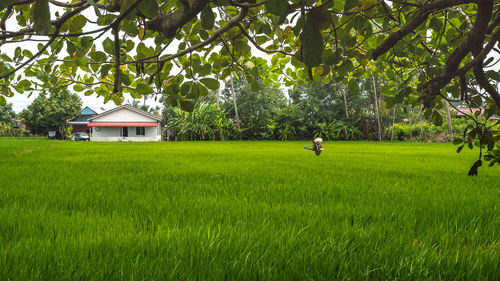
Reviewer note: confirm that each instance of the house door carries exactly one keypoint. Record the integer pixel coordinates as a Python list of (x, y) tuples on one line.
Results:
[(124, 131)]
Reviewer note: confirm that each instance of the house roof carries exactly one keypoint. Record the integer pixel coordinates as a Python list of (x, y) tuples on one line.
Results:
[(126, 106), (88, 111), (84, 119), (463, 111)]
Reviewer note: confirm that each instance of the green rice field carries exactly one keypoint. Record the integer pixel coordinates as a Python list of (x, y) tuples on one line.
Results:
[(245, 211)]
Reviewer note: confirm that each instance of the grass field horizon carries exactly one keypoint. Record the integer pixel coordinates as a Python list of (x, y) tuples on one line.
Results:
[(251, 210)]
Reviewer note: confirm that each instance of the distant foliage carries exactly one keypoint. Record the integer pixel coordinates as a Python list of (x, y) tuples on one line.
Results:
[(8, 122), (51, 112)]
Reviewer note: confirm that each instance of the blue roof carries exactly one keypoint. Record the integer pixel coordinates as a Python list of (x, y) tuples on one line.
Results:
[(87, 111)]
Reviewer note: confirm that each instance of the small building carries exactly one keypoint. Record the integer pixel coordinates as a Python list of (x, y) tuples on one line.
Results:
[(125, 123), (80, 123)]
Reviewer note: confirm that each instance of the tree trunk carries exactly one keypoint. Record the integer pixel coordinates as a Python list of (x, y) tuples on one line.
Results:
[(393, 119), (411, 126), (345, 102), (235, 108), (421, 128), (450, 128), (217, 98), (376, 109)]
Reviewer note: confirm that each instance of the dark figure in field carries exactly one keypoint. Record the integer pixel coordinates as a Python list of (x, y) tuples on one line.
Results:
[(317, 146)]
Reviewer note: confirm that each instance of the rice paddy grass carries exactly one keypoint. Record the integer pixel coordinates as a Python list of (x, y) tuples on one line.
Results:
[(245, 211)]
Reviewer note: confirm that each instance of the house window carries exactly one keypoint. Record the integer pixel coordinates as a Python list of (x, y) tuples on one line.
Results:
[(140, 131)]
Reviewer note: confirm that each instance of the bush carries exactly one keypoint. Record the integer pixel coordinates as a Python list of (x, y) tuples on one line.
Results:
[(206, 122), (427, 131), (9, 131)]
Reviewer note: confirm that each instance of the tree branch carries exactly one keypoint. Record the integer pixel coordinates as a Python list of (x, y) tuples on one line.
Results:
[(167, 25), (53, 37), (233, 22), (422, 15), (473, 43), (260, 47), (117, 60)]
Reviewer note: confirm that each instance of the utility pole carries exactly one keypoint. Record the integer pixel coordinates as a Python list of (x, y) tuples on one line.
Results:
[(376, 109)]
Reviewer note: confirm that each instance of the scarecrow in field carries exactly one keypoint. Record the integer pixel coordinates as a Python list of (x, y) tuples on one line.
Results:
[(317, 146)]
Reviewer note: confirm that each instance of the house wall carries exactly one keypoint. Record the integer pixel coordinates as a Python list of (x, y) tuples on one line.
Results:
[(106, 132), (114, 134)]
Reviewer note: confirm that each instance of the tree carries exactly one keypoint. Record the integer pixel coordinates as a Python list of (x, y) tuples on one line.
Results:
[(256, 107), (8, 122), (51, 112), (431, 51), (8, 116)]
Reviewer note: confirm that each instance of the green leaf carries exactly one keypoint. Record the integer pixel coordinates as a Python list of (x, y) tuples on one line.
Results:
[(3, 101), (211, 83), (144, 89), (144, 52), (78, 88), (131, 28), (41, 16), (125, 5), (437, 119), (475, 166), (135, 95), (203, 90), (194, 93), (185, 88), (27, 53), (109, 46), (460, 147), (77, 23), (25, 84), (98, 56), (207, 18), (172, 100), (149, 8), (6, 3), (187, 105), (105, 69), (457, 141), (276, 7), (322, 18), (312, 44), (350, 4)]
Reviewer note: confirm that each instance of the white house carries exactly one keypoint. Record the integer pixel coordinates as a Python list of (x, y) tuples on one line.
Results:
[(125, 123)]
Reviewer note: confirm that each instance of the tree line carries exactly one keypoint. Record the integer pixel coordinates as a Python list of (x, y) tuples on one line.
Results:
[(331, 110)]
